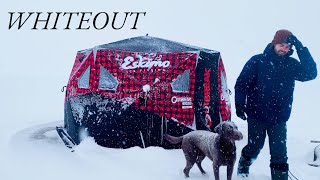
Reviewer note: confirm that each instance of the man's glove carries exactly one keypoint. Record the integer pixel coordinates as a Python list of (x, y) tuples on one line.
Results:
[(241, 110), (293, 40)]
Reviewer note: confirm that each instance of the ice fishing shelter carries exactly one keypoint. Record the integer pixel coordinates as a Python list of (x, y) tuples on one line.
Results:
[(130, 92)]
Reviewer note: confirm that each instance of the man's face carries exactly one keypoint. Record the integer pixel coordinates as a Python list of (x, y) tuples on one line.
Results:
[(282, 49)]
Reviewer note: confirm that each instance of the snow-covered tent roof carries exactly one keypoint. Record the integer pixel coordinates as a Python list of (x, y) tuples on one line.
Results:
[(150, 44)]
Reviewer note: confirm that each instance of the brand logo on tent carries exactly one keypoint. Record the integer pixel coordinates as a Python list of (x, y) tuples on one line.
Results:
[(206, 87), (206, 108), (186, 101), (149, 62)]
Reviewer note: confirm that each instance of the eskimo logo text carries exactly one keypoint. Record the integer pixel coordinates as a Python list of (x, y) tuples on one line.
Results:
[(149, 62)]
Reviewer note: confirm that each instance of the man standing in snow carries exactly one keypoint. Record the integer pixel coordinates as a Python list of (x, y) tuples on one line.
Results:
[(263, 96)]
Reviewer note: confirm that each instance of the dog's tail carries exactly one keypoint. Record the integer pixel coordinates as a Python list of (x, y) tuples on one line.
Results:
[(173, 139)]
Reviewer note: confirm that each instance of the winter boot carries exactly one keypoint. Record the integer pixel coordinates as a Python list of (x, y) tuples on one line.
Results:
[(279, 171), (243, 166)]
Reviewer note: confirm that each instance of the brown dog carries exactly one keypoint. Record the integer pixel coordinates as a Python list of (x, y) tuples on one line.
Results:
[(218, 147)]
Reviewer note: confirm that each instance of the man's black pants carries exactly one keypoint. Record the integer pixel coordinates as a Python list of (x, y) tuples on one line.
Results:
[(277, 134)]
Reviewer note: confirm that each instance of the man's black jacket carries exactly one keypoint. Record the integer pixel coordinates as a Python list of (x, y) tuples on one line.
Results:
[(267, 81)]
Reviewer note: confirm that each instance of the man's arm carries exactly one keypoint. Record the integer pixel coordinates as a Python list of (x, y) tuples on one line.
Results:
[(244, 81), (306, 69)]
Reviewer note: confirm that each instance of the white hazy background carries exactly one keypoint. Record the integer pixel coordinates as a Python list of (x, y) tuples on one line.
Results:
[(36, 64)]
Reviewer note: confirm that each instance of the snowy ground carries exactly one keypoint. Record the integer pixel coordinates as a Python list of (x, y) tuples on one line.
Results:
[(38, 153), (34, 65)]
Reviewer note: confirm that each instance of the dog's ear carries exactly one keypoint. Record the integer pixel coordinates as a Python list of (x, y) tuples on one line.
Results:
[(218, 129), (232, 124)]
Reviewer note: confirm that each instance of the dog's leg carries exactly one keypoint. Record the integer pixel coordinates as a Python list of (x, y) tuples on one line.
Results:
[(199, 160), (216, 170), (190, 163), (190, 153), (230, 170), (191, 157)]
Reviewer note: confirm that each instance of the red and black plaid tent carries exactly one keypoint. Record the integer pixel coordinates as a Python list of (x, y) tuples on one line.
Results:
[(130, 92)]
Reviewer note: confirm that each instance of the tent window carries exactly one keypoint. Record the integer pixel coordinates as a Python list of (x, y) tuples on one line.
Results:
[(107, 81), (182, 83), (83, 81)]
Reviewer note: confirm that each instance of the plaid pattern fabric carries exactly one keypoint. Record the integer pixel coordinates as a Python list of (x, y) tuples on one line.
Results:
[(224, 106), (82, 62), (160, 99)]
